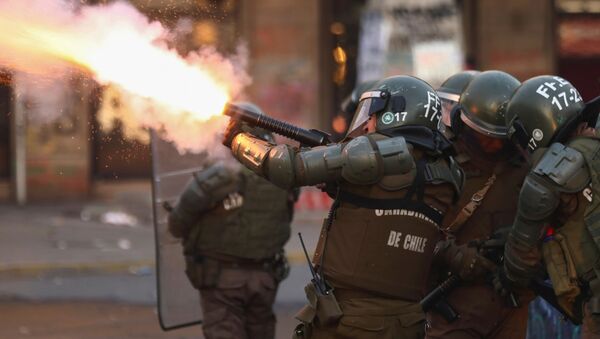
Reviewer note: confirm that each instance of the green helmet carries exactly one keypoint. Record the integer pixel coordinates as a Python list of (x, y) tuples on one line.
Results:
[(482, 104), (543, 110), (450, 91), (398, 101)]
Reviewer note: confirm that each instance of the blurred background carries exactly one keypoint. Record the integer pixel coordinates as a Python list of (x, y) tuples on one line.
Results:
[(76, 236)]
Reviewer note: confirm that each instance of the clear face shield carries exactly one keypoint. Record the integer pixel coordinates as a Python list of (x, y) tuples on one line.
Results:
[(370, 103), (449, 101)]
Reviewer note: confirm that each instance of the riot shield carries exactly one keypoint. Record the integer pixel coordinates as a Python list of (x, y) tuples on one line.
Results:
[(178, 301)]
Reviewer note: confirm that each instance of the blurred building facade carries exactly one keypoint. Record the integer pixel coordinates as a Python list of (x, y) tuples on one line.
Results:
[(303, 62)]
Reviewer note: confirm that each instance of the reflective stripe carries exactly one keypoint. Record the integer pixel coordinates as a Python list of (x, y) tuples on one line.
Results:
[(371, 94), (483, 127), (448, 96)]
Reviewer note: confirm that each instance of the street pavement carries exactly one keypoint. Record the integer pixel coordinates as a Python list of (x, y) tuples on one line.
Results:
[(98, 319), (86, 269)]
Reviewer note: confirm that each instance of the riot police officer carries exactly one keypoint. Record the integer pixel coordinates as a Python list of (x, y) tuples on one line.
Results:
[(234, 225), (392, 180), (558, 208), (473, 105)]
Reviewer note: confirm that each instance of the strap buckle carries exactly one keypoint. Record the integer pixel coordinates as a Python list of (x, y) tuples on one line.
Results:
[(477, 198)]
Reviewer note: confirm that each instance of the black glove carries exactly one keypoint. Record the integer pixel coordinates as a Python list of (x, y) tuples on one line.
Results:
[(464, 260), (234, 128)]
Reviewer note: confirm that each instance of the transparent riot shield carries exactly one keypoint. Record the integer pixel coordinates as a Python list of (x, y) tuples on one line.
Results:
[(178, 301)]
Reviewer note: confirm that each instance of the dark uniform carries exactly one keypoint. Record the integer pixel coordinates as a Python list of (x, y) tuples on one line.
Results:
[(391, 188), (484, 314), (234, 225), (558, 209), (488, 202)]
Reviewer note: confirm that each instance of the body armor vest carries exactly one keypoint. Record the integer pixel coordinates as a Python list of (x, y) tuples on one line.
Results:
[(498, 207), (385, 251), (582, 228), (251, 224)]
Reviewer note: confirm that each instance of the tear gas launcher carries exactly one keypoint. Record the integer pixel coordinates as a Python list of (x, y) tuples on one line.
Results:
[(305, 137)]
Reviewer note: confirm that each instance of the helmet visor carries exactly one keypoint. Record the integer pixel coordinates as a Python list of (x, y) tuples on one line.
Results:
[(449, 101), (370, 103), (483, 127)]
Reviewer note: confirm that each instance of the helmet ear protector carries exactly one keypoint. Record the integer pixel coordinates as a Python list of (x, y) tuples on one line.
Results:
[(398, 103), (517, 133)]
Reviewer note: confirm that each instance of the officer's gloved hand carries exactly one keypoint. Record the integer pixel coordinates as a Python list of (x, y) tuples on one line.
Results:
[(464, 260), (234, 128)]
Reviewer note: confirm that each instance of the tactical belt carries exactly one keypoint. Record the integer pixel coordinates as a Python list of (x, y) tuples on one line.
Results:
[(227, 261), (264, 266), (346, 293)]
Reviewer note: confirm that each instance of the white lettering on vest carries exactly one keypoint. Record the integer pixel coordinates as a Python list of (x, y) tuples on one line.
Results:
[(394, 239), (414, 243), (403, 212), (233, 200), (411, 242)]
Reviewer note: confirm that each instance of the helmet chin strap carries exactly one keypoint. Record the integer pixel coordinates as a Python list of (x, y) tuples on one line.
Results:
[(518, 135)]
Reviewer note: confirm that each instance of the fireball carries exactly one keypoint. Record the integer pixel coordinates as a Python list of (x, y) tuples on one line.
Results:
[(117, 45)]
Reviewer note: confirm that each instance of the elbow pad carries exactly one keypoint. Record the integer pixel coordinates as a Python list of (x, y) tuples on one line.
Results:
[(560, 169), (285, 166), (251, 151), (361, 161), (365, 161), (537, 201), (538, 198), (270, 161)]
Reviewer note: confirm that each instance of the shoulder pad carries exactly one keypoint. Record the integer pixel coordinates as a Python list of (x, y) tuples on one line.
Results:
[(361, 164), (281, 166), (538, 198), (446, 170), (397, 182), (565, 166)]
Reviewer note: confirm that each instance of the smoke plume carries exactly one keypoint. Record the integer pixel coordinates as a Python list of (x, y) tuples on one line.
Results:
[(147, 84)]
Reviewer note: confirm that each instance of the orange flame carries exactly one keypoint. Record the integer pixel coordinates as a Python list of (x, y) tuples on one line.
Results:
[(121, 53)]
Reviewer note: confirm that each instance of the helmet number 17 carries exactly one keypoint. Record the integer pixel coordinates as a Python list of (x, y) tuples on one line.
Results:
[(398, 114)]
